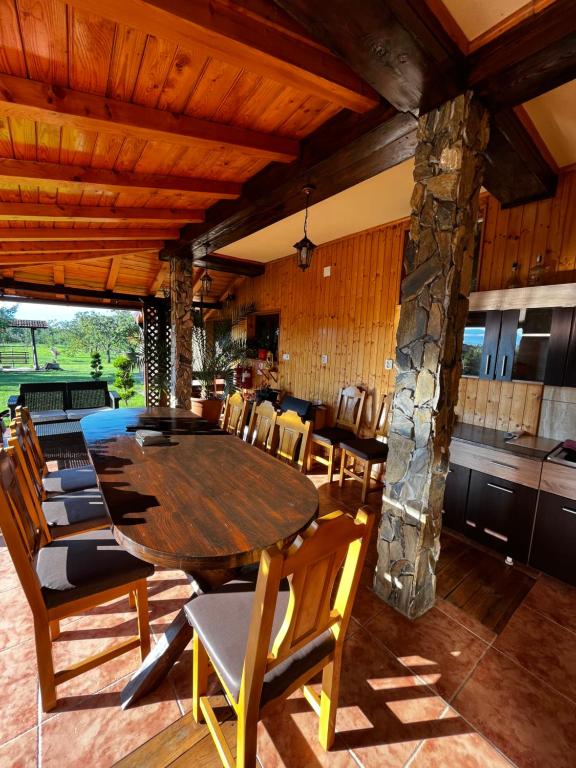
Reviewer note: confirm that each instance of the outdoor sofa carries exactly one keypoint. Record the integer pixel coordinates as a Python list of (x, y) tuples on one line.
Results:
[(64, 401)]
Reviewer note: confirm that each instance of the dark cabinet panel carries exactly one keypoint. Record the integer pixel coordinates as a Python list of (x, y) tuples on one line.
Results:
[(456, 497), (500, 514), (560, 331), (506, 345), (570, 372), (554, 543), (490, 348)]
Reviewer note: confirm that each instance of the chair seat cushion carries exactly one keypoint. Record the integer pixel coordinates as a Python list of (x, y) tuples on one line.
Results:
[(42, 417), (222, 620), (86, 564), (366, 448), (66, 480), (75, 414), (77, 510), (332, 435)]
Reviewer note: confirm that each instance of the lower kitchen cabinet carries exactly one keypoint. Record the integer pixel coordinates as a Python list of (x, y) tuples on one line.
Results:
[(456, 497), (554, 542)]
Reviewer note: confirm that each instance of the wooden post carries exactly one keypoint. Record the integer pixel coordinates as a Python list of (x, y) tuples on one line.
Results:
[(34, 350), (181, 294), (448, 177)]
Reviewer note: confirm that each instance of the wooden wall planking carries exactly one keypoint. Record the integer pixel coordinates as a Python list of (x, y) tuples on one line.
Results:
[(506, 405)]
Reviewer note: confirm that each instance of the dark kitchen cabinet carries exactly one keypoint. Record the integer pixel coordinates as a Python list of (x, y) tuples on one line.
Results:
[(456, 497), (554, 542), (561, 362)]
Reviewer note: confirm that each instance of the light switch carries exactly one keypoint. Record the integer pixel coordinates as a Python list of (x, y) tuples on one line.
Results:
[(324, 359), (285, 356), (389, 364), (327, 271)]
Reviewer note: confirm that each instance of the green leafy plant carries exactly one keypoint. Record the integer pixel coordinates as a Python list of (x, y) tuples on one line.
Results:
[(124, 381), (95, 365)]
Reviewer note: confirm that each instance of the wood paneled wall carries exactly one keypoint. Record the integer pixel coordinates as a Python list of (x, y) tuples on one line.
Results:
[(349, 316), (519, 234), (507, 405)]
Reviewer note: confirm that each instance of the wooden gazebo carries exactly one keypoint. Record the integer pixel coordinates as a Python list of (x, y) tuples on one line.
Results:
[(33, 325)]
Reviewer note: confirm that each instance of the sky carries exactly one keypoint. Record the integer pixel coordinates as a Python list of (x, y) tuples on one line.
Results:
[(49, 311)]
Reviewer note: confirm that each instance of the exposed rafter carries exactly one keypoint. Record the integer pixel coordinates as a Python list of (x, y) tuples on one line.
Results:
[(160, 278), (235, 33), (42, 234), (84, 246), (55, 105), (98, 213), (112, 278), (28, 259)]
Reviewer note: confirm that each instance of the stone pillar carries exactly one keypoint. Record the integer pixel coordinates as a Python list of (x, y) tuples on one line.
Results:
[(181, 320), (448, 177)]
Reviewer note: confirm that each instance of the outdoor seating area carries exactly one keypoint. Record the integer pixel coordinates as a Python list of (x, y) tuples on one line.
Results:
[(288, 384)]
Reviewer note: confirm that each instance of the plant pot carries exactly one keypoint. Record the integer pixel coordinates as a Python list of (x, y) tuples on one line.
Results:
[(207, 409)]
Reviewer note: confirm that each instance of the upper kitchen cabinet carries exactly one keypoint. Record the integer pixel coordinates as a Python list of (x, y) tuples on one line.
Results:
[(561, 362)]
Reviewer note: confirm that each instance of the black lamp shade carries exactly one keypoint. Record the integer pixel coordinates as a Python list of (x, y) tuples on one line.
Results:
[(206, 283), (305, 248)]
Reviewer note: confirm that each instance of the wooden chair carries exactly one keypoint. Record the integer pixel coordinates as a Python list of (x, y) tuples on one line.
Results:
[(261, 425), (325, 442), (267, 642), (370, 451), (58, 481), (235, 414), (67, 577), (61, 514), (290, 440)]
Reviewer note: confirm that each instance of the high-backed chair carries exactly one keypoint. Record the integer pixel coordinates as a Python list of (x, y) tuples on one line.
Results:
[(290, 440), (261, 425), (369, 450), (67, 577), (235, 414), (267, 642), (57, 481), (326, 441)]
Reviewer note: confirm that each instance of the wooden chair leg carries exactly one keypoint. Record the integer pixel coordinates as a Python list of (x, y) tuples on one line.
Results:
[(329, 702), (246, 741), (342, 466), (55, 629), (45, 666), (366, 480), (132, 600), (141, 597), (331, 450), (199, 676)]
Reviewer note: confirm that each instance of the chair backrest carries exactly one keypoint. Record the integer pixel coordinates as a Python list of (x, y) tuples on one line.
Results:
[(291, 439), (304, 408), (261, 425), (25, 463), (235, 414), (24, 419), (350, 408), (47, 396), (315, 606), (88, 394), (19, 529), (381, 426)]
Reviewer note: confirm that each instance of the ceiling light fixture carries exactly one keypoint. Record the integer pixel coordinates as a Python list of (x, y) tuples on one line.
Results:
[(305, 247)]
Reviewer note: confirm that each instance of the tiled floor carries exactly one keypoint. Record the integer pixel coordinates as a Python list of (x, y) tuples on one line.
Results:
[(457, 687)]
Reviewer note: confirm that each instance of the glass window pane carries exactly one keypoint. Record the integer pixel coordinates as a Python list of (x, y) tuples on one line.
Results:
[(532, 340), (473, 343)]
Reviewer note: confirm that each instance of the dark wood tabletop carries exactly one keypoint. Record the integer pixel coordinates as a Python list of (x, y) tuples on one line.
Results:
[(207, 500)]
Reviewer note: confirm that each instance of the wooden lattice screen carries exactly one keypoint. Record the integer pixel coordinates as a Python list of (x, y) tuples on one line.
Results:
[(157, 352)]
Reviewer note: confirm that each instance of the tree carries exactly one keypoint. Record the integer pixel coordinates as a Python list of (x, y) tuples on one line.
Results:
[(124, 382), (96, 365), (6, 317), (105, 333)]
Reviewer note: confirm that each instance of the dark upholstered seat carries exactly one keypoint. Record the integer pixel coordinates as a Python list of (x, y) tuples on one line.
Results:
[(67, 480), (85, 565), (368, 448), (222, 621), (332, 435), (76, 511)]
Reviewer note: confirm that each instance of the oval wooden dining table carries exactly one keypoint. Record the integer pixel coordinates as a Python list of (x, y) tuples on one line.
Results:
[(206, 502)]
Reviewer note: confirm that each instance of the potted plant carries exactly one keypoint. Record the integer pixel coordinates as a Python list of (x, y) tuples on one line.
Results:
[(216, 350)]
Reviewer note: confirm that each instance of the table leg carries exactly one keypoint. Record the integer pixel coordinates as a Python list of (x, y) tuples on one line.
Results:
[(171, 645)]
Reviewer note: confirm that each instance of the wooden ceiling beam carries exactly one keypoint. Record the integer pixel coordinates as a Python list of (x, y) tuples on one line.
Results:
[(112, 278), (55, 105), (217, 263), (82, 178), (254, 38), (108, 235), (30, 259), (94, 213), (83, 246), (159, 280)]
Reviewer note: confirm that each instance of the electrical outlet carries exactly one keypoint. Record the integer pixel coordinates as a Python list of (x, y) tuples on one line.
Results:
[(324, 359), (389, 364), (285, 356), (327, 271)]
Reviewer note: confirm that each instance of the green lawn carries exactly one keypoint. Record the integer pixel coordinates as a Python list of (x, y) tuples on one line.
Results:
[(74, 368)]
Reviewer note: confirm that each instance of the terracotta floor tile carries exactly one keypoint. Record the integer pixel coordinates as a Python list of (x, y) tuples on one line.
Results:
[(469, 622), (533, 725), (435, 647), (21, 752), (366, 605), (467, 750), (555, 600), (18, 688), (165, 599), (8, 576), (543, 647), (93, 730), (16, 623), (385, 711)]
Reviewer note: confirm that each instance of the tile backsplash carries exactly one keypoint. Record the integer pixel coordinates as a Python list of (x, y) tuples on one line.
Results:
[(558, 413)]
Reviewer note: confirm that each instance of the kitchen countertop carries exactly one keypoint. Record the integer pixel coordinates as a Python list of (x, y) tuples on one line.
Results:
[(529, 446)]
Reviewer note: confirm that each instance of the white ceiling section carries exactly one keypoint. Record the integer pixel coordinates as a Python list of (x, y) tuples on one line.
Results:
[(554, 117), (376, 201)]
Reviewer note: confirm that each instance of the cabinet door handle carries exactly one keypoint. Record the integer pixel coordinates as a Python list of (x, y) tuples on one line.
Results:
[(567, 509), (499, 488), (488, 360), (502, 464), (495, 535), (503, 369), (471, 523)]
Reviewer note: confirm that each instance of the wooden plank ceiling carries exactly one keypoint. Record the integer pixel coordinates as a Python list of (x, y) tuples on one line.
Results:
[(118, 129)]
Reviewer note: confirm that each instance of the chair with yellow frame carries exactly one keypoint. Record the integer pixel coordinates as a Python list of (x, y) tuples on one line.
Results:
[(266, 642), (235, 412), (326, 441), (67, 577), (261, 425), (370, 451), (290, 439)]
